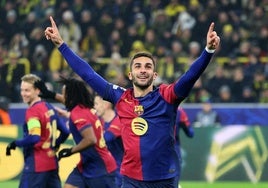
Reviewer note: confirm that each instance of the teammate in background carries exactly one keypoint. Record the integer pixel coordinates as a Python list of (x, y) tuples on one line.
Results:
[(39, 142), (96, 166), (147, 113), (182, 122), (112, 131)]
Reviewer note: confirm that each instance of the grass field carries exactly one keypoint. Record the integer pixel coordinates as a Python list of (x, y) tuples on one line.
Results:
[(184, 184)]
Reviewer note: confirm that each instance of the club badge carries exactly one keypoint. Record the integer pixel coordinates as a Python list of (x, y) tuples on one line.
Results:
[(138, 110)]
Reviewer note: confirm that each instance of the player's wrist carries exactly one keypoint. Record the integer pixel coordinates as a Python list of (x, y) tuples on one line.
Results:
[(210, 50), (59, 43)]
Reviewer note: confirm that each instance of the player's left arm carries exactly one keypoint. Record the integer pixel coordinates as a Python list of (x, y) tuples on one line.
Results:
[(34, 133), (184, 85), (88, 139), (84, 124)]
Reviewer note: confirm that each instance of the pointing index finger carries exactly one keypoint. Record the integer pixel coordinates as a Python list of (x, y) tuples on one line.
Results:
[(53, 24), (211, 27)]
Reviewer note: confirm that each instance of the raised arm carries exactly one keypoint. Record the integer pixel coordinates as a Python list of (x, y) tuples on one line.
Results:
[(79, 66), (186, 82)]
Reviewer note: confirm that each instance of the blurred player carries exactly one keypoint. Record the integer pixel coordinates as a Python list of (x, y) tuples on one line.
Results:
[(96, 166), (112, 131), (182, 122), (39, 142)]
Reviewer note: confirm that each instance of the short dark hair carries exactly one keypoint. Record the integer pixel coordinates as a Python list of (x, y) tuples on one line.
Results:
[(142, 54)]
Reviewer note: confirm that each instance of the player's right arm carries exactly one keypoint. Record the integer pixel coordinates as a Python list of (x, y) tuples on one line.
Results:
[(80, 66)]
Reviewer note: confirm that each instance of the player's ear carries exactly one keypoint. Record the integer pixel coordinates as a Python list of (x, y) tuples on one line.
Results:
[(155, 75), (129, 76)]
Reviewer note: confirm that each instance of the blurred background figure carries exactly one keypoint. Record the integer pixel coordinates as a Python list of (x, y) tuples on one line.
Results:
[(182, 122), (11, 72), (112, 131), (70, 30), (4, 111), (224, 95), (207, 116)]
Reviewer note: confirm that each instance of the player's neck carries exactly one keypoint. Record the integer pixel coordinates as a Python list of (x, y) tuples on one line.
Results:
[(108, 115), (141, 92), (34, 101)]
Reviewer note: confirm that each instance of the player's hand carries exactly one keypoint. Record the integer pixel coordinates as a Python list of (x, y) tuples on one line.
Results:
[(66, 152), (52, 33), (10, 146), (213, 40), (45, 93)]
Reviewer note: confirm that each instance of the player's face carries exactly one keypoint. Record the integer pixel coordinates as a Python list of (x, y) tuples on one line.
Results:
[(142, 73), (28, 93), (99, 105)]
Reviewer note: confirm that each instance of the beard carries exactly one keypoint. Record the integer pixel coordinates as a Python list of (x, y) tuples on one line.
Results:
[(143, 86)]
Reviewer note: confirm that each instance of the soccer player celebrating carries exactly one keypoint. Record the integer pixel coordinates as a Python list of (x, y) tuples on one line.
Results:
[(147, 113), (39, 142), (97, 166)]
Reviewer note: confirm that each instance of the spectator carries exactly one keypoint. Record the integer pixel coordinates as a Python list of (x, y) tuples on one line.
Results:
[(11, 72), (11, 25), (259, 83), (167, 68), (85, 21), (207, 117), (114, 71), (150, 41), (253, 65), (140, 25), (224, 95), (238, 83), (104, 27), (264, 96), (216, 81), (248, 95), (174, 8), (184, 22), (194, 49), (70, 30), (162, 25), (90, 42)]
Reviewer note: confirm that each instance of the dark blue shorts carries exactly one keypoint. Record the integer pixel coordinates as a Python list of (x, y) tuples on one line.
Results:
[(75, 178), (132, 183), (40, 179)]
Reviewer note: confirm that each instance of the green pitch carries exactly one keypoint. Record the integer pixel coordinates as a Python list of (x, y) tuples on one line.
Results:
[(184, 184), (197, 184)]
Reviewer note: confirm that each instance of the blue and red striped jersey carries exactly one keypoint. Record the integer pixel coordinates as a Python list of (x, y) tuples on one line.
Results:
[(148, 122), (96, 160), (40, 157), (112, 135)]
